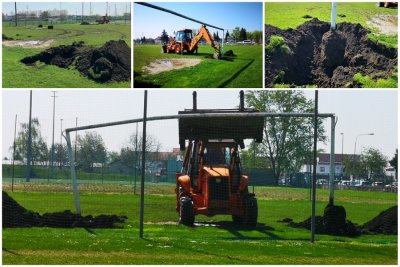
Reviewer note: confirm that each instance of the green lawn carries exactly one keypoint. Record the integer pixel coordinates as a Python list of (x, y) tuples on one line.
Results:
[(18, 75), (289, 15), (244, 71), (166, 242)]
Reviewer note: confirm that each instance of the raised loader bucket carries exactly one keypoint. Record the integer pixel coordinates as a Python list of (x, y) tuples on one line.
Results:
[(229, 127)]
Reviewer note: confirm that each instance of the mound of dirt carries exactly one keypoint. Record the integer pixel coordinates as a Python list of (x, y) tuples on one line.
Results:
[(14, 215), (333, 222), (319, 56), (109, 63), (6, 38), (384, 223)]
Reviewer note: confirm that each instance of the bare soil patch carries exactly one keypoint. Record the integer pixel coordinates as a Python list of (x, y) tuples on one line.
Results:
[(161, 65), (109, 63), (326, 58), (14, 215), (385, 24), (28, 44), (384, 223)]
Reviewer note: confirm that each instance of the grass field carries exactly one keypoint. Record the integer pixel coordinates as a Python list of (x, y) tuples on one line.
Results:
[(166, 242), (17, 74), (244, 71), (284, 15)]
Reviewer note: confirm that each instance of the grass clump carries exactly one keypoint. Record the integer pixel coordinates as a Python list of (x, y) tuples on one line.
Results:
[(277, 44), (368, 82)]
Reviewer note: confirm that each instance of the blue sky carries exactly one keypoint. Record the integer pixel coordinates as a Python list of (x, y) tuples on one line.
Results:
[(72, 8), (227, 15)]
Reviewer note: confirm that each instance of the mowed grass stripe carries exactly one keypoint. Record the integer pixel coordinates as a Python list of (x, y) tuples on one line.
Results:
[(244, 71)]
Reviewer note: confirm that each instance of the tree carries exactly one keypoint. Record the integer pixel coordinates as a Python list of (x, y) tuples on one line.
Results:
[(257, 36), (394, 163), (164, 37), (236, 33), (242, 34), (250, 160), (60, 155), (39, 147), (131, 154), (227, 35), (374, 163), (287, 141), (91, 149), (45, 15)]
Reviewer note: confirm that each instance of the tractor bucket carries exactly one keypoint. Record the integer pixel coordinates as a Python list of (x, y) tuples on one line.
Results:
[(206, 128)]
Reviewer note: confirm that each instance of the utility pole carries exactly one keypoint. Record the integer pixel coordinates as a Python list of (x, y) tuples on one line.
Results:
[(52, 139), (76, 137), (82, 13), (29, 154), (61, 148), (13, 160), (16, 16)]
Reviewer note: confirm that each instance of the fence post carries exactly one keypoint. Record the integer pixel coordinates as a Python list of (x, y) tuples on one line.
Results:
[(314, 179)]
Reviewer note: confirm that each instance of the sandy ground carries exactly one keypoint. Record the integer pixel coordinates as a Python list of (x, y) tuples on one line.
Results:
[(386, 24), (29, 44), (162, 65)]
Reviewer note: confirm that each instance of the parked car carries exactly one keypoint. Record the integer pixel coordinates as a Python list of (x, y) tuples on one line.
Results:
[(377, 184), (392, 185)]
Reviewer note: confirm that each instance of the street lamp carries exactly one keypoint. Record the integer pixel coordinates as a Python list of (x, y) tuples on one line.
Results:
[(355, 144), (342, 134)]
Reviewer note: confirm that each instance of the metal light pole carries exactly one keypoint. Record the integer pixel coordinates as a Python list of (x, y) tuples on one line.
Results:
[(76, 137), (333, 16), (342, 134), (14, 147), (29, 154), (355, 144), (52, 139), (60, 152)]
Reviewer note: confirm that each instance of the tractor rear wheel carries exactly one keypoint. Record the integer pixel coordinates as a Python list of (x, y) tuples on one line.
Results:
[(237, 219), (251, 211), (186, 214)]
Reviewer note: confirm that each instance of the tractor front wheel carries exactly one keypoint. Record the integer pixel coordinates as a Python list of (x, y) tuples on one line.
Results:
[(177, 49), (186, 214), (251, 211)]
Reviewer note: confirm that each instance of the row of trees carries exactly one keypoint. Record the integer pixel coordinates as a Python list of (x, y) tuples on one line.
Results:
[(236, 35), (89, 149)]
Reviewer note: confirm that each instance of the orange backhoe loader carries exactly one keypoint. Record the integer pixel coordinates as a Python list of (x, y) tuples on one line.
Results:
[(211, 181), (184, 40)]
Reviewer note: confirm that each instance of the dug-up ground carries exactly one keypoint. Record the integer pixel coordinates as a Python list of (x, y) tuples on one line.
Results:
[(317, 56)]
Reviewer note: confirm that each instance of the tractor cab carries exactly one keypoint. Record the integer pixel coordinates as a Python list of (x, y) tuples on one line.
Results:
[(211, 181), (185, 35)]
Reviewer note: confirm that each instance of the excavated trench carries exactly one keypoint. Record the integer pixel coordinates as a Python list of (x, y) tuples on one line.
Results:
[(109, 63), (325, 58), (16, 216)]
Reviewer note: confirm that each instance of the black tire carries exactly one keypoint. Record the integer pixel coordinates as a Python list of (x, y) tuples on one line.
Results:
[(251, 212), (238, 220), (186, 214)]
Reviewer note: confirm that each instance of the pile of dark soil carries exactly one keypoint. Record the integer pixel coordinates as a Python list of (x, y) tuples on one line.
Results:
[(6, 38), (14, 215), (384, 223), (319, 56), (333, 222), (109, 63)]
